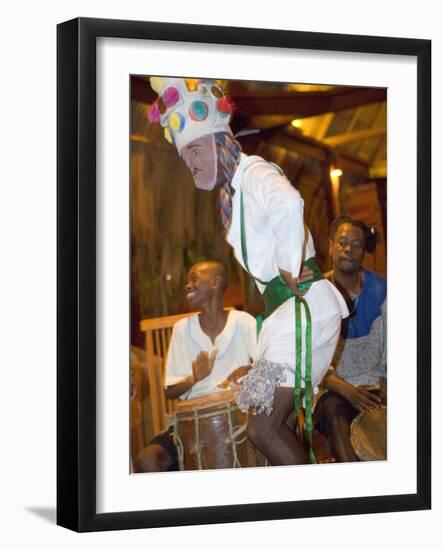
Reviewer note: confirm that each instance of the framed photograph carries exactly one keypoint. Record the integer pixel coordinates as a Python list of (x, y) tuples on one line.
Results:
[(163, 267)]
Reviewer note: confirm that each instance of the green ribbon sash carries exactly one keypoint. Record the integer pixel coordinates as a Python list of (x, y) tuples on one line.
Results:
[(275, 294)]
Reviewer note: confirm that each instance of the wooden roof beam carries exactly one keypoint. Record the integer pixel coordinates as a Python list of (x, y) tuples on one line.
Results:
[(298, 104), (292, 141), (342, 139), (356, 97), (301, 104)]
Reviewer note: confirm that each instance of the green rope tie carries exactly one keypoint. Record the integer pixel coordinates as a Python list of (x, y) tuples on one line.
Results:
[(308, 371), (298, 340)]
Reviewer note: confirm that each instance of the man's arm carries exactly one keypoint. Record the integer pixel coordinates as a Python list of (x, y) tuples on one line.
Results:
[(175, 391), (361, 398), (201, 368)]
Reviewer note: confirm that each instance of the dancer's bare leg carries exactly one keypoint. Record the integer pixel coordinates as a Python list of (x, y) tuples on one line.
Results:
[(272, 436)]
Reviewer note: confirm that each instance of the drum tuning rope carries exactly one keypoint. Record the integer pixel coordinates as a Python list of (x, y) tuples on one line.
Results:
[(236, 462), (197, 440), (179, 445)]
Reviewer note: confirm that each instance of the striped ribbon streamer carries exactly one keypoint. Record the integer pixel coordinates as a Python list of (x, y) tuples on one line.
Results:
[(228, 153)]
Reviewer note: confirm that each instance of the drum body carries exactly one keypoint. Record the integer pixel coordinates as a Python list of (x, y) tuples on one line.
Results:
[(211, 432), (368, 434)]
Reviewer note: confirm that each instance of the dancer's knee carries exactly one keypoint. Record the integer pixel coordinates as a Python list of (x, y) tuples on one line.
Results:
[(257, 433)]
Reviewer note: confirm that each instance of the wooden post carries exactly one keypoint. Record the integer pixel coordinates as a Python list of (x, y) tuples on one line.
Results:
[(153, 384)]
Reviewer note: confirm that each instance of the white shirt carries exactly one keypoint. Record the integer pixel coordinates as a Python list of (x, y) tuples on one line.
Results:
[(274, 223), (274, 220), (235, 345)]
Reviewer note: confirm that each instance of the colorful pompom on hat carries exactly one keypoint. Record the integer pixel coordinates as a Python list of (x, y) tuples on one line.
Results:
[(187, 115)]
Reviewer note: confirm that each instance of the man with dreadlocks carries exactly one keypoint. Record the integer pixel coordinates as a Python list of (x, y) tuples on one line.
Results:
[(356, 381), (263, 216)]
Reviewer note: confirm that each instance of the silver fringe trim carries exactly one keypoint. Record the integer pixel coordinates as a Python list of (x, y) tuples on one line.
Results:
[(258, 387)]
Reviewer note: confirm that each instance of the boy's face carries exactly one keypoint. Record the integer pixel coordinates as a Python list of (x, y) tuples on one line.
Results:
[(200, 285)]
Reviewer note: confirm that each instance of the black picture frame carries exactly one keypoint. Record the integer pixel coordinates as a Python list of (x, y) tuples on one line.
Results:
[(77, 287)]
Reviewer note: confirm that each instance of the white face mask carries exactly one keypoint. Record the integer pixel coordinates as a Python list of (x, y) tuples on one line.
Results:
[(201, 159)]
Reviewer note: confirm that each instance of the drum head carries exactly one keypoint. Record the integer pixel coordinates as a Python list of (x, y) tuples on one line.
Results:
[(369, 435), (206, 402)]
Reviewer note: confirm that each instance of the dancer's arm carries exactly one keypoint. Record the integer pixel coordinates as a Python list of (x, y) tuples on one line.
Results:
[(283, 207)]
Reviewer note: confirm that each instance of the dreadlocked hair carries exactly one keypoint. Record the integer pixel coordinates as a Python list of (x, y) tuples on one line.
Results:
[(229, 154), (370, 234)]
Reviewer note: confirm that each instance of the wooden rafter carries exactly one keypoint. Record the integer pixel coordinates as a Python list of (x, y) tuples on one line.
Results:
[(292, 141), (299, 104), (342, 139), (324, 125), (354, 119), (306, 104)]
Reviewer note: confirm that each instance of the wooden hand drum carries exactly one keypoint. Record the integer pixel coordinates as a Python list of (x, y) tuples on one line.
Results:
[(210, 432), (368, 434)]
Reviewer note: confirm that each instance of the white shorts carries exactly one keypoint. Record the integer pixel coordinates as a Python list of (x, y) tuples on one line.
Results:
[(277, 342)]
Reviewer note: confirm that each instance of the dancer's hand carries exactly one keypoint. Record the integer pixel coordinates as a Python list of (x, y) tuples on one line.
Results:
[(293, 282), (203, 365), (306, 274)]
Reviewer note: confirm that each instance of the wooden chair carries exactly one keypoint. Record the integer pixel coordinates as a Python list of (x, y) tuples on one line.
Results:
[(157, 333)]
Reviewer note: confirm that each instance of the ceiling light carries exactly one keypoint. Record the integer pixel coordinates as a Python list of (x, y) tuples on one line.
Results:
[(296, 123), (336, 173)]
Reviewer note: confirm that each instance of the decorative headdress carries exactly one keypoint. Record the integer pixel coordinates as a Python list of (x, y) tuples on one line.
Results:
[(187, 115)]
